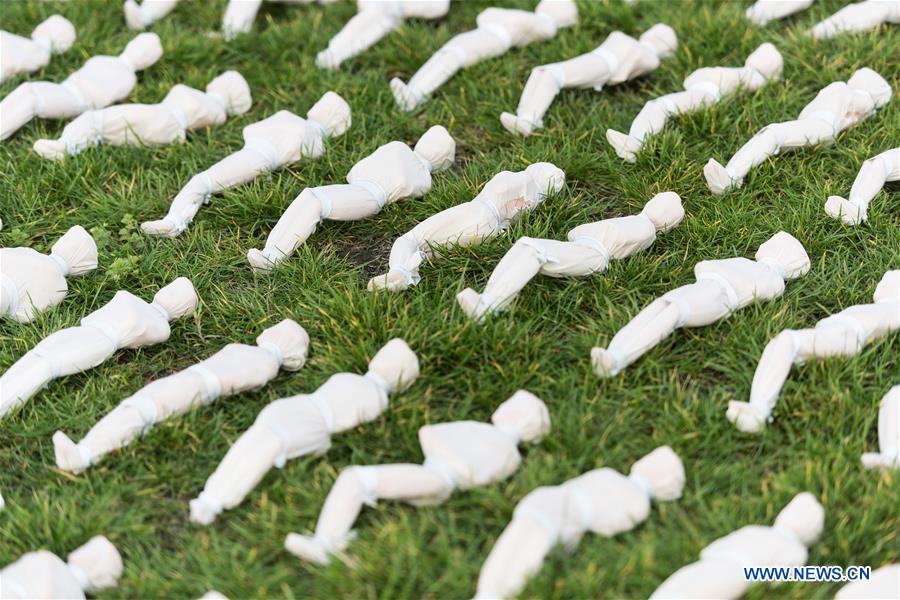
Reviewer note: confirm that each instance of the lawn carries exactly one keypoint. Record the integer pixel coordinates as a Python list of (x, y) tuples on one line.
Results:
[(675, 395)]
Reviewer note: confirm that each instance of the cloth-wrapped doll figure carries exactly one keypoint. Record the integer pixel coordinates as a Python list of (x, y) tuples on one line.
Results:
[(143, 15), (618, 59), (836, 107), (234, 369), (93, 567), (499, 30), (722, 287), (874, 173), (101, 81), (183, 109), (270, 144), (374, 20), (240, 14), (304, 424), (888, 456), (391, 173), (31, 282), (883, 583), (126, 321), (861, 16), (589, 250), (703, 88), (764, 11), (842, 334), (20, 54), (503, 199), (458, 455), (602, 501), (720, 571)]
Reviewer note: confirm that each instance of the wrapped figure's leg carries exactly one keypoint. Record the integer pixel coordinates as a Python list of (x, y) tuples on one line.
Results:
[(874, 173), (646, 330), (706, 579), (239, 17), (517, 554), (356, 486), (362, 31), (542, 87), (407, 254), (85, 131), (129, 420), (244, 466), (888, 456), (238, 168), (770, 141), (652, 119)]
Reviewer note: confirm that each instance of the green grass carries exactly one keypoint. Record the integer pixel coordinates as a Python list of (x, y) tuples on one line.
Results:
[(675, 395)]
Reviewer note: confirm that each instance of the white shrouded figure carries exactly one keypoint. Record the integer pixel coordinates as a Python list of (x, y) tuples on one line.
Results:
[(722, 287), (240, 14), (234, 369), (458, 455), (391, 173), (94, 566), (836, 107), (841, 334), (270, 144), (373, 21), (764, 11), (31, 282), (888, 455), (618, 59), (183, 109), (502, 200), (874, 173), (126, 321), (101, 81), (602, 501), (589, 250), (499, 30), (720, 571), (20, 54), (703, 88), (883, 584), (861, 16), (143, 15), (304, 424)]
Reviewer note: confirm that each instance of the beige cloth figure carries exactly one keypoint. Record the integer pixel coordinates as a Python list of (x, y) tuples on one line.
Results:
[(373, 21), (720, 571), (126, 321), (20, 54), (703, 88), (143, 15), (234, 369), (391, 173), (240, 14), (835, 108), (874, 173), (861, 16), (304, 424), (101, 81), (618, 59), (589, 250), (270, 144), (183, 109), (764, 11), (499, 30), (93, 567), (722, 287), (502, 200), (841, 334), (458, 455), (883, 584), (602, 501), (888, 455), (31, 282)]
